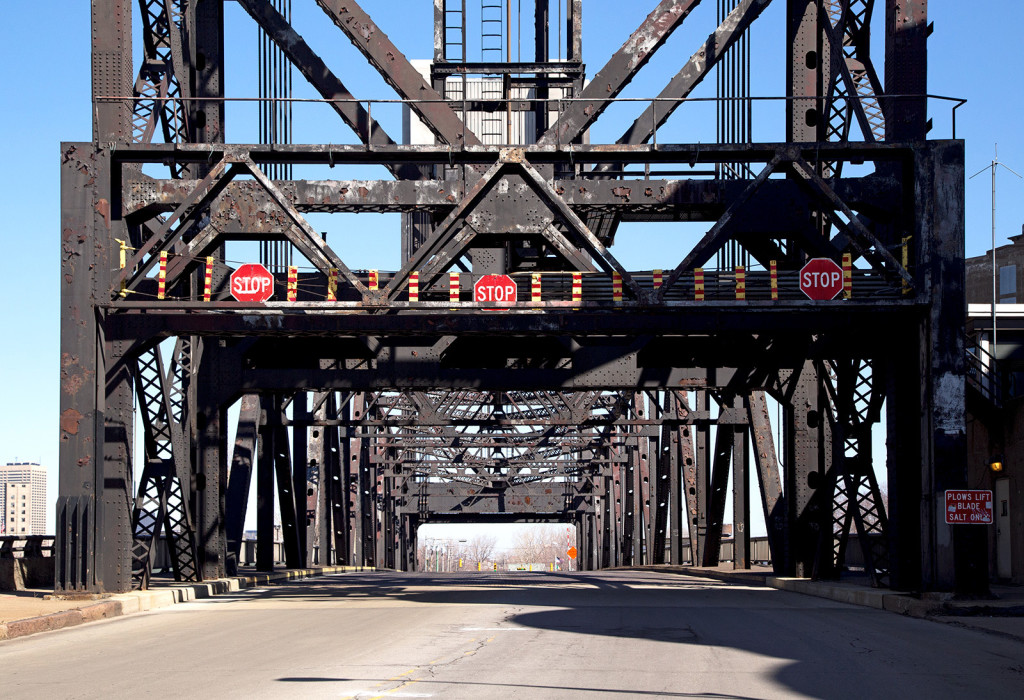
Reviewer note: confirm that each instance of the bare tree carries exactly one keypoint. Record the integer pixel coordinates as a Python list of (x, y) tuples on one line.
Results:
[(481, 548), (539, 545)]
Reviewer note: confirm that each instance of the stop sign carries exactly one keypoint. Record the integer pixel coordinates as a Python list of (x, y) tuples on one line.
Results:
[(252, 282), (495, 288), (821, 279)]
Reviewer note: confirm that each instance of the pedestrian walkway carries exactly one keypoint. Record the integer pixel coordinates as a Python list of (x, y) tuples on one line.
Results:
[(1003, 613), (31, 611)]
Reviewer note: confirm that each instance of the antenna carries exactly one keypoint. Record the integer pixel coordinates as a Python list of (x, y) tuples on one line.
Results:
[(993, 166)]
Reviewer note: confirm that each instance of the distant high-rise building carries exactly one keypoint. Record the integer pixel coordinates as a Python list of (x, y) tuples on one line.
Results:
[(23, 494)]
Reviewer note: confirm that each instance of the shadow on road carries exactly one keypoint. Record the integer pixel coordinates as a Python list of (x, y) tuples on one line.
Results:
[(817, 648)]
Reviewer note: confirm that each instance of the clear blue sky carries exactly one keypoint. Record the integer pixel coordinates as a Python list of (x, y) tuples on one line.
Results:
[(975, 53)]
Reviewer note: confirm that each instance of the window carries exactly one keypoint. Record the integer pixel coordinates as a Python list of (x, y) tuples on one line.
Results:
[(1008, 284)]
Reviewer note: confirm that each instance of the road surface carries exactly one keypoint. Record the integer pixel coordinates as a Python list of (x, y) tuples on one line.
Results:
[(617, 634)]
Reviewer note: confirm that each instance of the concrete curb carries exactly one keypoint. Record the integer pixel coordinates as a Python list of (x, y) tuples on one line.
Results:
[(881, 599), (140, 601)]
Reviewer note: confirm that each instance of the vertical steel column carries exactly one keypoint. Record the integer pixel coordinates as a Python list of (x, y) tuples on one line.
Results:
[(740, 493), (806, 449), (574, 30), (409, 543), (716, 493), (702, 478), (240, 476), (285, 492), (206, 33), (634, 502), (85, 258), (772, 497), (601, 523), (673, 464), (212, 470), (93, 513), (318, 532), (337, 471), (620, 479), (906, 69), (660, 449), (959, 553), (439, 33), (805, 69), (304, 481), (265, 486)]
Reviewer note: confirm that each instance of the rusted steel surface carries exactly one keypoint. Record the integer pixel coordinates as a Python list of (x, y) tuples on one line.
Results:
[(443, 408)]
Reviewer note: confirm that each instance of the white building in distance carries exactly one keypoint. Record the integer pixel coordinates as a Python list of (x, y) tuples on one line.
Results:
[(23, 494)]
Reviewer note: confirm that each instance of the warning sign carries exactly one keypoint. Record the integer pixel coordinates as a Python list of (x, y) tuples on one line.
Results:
[(968, 507)]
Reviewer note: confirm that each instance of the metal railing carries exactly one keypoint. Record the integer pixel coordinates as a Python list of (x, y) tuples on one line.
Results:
[(986, 376)]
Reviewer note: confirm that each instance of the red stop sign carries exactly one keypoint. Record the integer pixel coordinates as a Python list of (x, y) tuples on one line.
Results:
[(491, 288), (252, 282), (821, 279)]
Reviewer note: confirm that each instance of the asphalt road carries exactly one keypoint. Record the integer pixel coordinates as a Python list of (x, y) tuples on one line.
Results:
[(593, 635)]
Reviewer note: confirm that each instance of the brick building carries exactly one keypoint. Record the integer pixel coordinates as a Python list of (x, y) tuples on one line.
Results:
[(995, 399)]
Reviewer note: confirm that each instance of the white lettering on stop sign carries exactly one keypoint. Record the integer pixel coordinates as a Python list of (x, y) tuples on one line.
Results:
[(495, 288), (251, 285), (821, 279), (502, 292)]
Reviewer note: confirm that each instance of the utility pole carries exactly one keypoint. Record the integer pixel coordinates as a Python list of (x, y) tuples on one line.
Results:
[(993, 166)]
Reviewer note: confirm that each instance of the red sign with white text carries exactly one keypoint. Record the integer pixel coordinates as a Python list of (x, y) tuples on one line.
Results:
[(252, 282), (821, 279), (968, 507), (495, 288)]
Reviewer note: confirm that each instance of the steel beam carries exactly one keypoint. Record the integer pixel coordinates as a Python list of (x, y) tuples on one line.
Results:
[(618, 71), (397, 72)]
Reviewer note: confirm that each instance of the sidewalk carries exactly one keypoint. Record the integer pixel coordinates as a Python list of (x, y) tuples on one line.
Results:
[(28, 612), (1003, 614)]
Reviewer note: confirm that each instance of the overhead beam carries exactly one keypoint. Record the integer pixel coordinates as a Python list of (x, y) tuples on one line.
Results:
[(323, 80)]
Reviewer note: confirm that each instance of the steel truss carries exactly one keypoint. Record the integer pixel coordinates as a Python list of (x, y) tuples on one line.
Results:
[(625, 402)]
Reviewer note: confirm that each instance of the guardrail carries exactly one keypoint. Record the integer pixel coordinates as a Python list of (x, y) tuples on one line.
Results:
[(987, 377)]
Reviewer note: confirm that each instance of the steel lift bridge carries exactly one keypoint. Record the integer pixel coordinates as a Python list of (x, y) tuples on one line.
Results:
[(619, 401)]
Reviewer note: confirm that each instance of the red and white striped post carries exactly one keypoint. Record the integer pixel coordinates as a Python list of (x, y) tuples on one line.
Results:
[(698, 284), (161, 279), (775, 280), (577, 288), (617, 287), (208, 279), (332, 284), (453, 287), (741, 283), (657, 280), (293, 282), (414, 286), (535, 287)]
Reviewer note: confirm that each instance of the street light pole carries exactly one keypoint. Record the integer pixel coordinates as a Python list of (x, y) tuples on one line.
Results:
[(992, 166)]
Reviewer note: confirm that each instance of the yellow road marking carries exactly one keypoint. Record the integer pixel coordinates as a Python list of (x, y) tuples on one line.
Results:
[(400, 687), (399, 676)]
